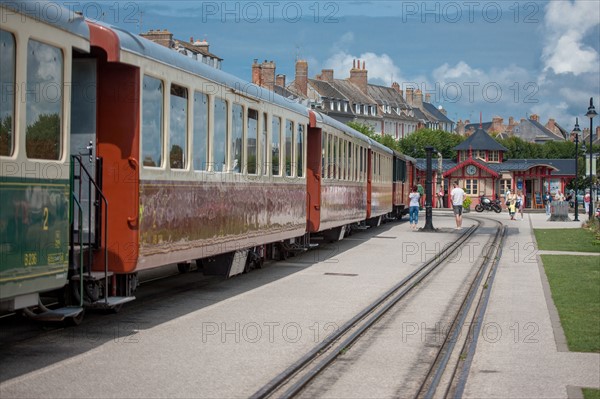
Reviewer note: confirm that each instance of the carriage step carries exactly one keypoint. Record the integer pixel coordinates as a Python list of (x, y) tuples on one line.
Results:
[(92, 276), (111, 302), (58, 314)]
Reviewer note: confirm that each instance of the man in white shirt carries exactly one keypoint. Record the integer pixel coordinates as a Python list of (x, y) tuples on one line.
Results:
[(458, 196)]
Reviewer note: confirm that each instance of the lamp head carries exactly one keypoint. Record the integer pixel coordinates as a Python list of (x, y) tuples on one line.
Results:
[(591, 110), (576, 129)]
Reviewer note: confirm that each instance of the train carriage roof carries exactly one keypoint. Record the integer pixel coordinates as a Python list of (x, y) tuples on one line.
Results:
[(52, 13)]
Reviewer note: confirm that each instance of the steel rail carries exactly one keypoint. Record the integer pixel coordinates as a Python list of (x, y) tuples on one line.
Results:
[(325, 349), (433, 378)]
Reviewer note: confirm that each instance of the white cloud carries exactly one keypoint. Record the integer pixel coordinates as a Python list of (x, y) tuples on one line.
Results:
[(567, 24), (381, 67)]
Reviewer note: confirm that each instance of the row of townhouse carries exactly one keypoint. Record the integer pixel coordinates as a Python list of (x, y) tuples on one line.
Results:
[(529, 129), (385, 109), (354, 99)]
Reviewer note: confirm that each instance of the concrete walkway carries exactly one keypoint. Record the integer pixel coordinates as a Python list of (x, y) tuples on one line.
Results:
[(522, 352)]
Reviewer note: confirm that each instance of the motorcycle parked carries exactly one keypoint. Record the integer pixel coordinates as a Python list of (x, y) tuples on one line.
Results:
[(488, 205)]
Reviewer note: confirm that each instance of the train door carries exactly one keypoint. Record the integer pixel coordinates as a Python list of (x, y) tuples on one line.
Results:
[(83, 142), (314, 167), (369, 181)]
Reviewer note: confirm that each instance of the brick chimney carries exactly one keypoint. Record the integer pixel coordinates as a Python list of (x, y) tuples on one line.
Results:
[(534, 117), (511, 121), (428, 98), (358, 76), (326, 75), (162, 37), (256, 76), (267, 75), (418, 99), (409, 96), (551, 125), (497, 124), (301, 79), (460, 127), (280, 80), (396, 87)]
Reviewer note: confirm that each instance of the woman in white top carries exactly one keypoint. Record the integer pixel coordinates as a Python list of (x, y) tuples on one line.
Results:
[(413, 210), (520, 202)]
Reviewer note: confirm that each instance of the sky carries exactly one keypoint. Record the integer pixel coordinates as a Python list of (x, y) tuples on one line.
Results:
[(498, 58)]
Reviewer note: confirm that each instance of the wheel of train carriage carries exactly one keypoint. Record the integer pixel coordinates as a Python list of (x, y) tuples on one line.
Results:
[(184, 267)]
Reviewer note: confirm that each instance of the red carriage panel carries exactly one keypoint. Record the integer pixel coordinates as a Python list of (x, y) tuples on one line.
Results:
[(192, 220)]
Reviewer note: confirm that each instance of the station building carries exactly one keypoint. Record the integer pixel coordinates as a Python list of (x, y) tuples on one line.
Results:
[(480, 169)]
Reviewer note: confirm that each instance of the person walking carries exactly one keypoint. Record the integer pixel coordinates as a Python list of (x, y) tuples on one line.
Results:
[(548, 202), (520, 202), (586, 201), (458, 196), (413, 210), (440, 199), (511, 202)]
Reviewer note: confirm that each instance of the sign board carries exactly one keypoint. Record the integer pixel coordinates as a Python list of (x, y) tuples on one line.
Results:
[(594, 164), (554, 186)]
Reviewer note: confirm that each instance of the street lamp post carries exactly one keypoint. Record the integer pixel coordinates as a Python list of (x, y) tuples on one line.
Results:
[(576, 131), (428, 192), (591, 114)]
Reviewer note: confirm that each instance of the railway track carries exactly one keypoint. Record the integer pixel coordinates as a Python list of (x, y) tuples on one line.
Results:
[(440, 379)]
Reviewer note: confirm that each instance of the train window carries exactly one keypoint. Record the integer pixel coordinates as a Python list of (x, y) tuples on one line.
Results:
[(251, 140), (275, 145), (236, 137), (44, 100), (350, 168), (7, 96), (330, 156), (152, 109), (200, 130), (289, 140), (219, 135), (300, 151), (344, 159), (265, 143), (334, 157), (178, 127)]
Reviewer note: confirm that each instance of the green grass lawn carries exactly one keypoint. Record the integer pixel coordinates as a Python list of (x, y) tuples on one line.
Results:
[(575, 285), (589, 393), (578, 240)]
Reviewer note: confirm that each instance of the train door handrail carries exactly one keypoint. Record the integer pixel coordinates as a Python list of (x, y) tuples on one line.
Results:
[(78, 159)]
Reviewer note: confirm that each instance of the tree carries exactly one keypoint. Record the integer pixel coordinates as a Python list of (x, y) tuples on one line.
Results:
[(520, 149), (368, 131), (43, 137), (414, 144), (6, 136)]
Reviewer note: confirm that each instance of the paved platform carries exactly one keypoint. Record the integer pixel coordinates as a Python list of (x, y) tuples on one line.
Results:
[(523, 353), (227, 340)]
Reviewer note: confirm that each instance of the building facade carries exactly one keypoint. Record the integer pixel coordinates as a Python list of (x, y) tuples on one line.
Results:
[(481, 169)]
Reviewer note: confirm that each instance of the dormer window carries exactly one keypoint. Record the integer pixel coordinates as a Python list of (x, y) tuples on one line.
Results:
[(345, 106), (493, 156)]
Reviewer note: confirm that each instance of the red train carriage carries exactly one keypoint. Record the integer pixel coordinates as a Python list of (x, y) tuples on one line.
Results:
[(200, 162), (176, 162)]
